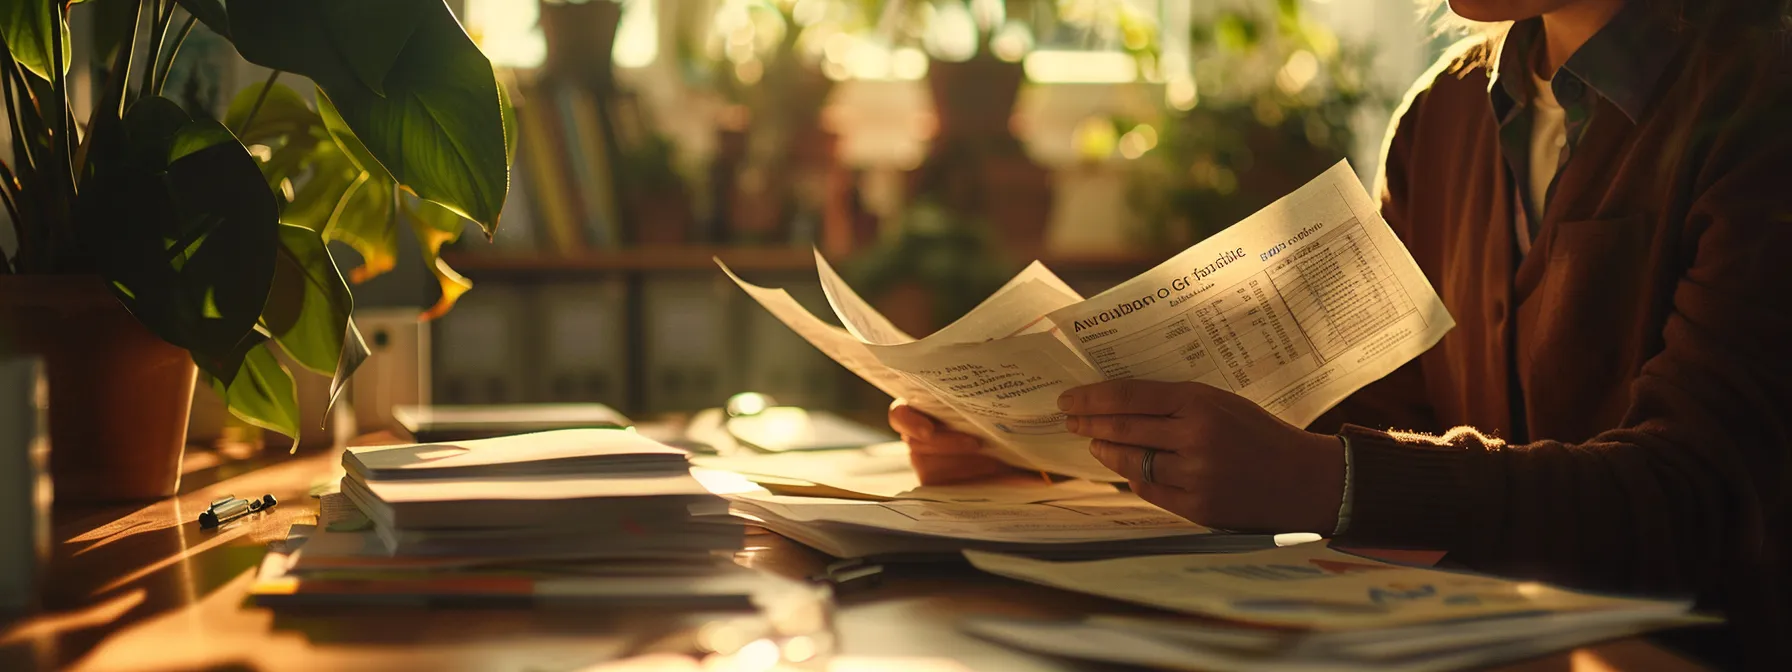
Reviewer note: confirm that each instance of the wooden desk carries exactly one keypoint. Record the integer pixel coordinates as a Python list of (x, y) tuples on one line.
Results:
[(143, 588)]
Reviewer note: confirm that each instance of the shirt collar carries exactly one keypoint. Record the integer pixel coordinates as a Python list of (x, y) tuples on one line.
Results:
[(1621, 63)]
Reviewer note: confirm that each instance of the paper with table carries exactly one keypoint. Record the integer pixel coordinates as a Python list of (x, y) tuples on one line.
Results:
[(1295, 308), (1309, 586)]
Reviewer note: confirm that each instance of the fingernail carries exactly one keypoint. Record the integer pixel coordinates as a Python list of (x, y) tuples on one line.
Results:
[(1072, 423), (1064, 401)]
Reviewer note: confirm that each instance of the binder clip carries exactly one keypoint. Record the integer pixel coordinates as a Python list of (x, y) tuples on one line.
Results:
[(228, 508)]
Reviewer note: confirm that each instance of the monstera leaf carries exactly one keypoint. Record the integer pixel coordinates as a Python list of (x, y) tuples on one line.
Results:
[(435, 226), (405, 79), (184, 227), (284, 123), (262, 392), (310, 311)]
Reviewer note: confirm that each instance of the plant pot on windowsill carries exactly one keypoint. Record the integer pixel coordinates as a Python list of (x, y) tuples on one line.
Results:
[(119, 396)]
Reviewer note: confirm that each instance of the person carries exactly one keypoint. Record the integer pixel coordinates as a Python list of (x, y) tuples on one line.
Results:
[(1601, 193)]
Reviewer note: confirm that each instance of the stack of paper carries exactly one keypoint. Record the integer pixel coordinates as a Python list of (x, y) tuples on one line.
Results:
[(588, 493), (323, 567), (1325, 610), (1006, 519)]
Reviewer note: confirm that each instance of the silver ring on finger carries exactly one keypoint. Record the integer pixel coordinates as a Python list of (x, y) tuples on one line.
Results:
[(1146, 465)]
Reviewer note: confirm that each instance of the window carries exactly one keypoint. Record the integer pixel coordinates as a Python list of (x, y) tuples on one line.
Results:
[(508, 32)]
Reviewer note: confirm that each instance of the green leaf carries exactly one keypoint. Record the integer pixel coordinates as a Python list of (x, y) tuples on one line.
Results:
[(345, 138), (370, 34), (310, 309), (510, 125), (262, 393), (439, 128), (367, 221), (350, 205), (209, 12), (436, 226), (285, 124), (27, 26), (184, 227), (283, 113)]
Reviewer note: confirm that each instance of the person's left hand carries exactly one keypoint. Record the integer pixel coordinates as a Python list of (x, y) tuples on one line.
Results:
[(1223, 461)]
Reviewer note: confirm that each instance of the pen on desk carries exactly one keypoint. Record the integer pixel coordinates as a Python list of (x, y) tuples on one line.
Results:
[(1046, 476), (228, 508)]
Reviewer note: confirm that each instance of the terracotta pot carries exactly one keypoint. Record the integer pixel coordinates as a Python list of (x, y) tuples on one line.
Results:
[(119, 396), (975, 167)]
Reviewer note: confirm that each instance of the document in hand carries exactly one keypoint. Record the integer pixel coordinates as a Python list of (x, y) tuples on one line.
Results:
[(1294, 308), (1308, 586)]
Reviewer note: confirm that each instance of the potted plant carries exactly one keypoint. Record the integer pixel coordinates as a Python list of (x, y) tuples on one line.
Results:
[(155, 249)]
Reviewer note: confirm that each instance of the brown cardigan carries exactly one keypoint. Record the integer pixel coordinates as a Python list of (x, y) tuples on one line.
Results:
[(1648, 445)]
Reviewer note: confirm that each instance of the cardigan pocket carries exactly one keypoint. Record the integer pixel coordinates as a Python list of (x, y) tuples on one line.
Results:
[(1578, 327)]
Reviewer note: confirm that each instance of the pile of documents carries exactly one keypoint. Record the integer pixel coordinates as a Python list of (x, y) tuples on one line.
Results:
[(868, 503), (1117, 524), (1293, 308), (1314, 608), (599, 515)]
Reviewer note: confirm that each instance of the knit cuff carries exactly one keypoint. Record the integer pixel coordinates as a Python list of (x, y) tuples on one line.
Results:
[(1402, 494)]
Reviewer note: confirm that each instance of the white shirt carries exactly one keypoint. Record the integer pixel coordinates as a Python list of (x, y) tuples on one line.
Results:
[(1549, 135)]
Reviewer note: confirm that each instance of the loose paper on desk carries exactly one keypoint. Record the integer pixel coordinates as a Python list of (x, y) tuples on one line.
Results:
[(1306, 586), (882, 472), (1113, 517), (1293, 308)]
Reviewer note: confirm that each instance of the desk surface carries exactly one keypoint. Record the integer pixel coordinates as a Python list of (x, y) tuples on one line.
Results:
[(143, 588)]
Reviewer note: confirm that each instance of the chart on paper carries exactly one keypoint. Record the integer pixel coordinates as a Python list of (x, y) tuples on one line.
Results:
[(1274, 325)]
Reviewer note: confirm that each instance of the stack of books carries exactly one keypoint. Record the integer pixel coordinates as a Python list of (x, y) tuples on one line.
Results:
[(585, 494), (601, 516)]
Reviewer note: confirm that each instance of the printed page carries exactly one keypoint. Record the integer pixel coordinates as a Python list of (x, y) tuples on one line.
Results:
[(849, 351), (1307, 585), (1019, 423), (1019, 309), (862, 320), (1009, 389), (1294, 308), (1111, 518)]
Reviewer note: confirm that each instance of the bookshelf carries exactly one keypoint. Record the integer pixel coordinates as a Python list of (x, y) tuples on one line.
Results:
[(650, 329), (635, 259), (745, 259)]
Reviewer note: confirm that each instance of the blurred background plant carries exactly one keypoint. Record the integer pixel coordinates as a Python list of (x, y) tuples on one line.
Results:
[(1274, 98)]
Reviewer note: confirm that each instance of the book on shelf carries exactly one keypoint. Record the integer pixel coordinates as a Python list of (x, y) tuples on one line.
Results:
[(587, 152), (552, 188)]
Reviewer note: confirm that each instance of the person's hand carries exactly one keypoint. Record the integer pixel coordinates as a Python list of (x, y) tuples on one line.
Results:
[(942, 456), (1224, 461)]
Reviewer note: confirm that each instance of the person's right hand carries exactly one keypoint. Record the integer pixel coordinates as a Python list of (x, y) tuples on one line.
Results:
[(942, 456)]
